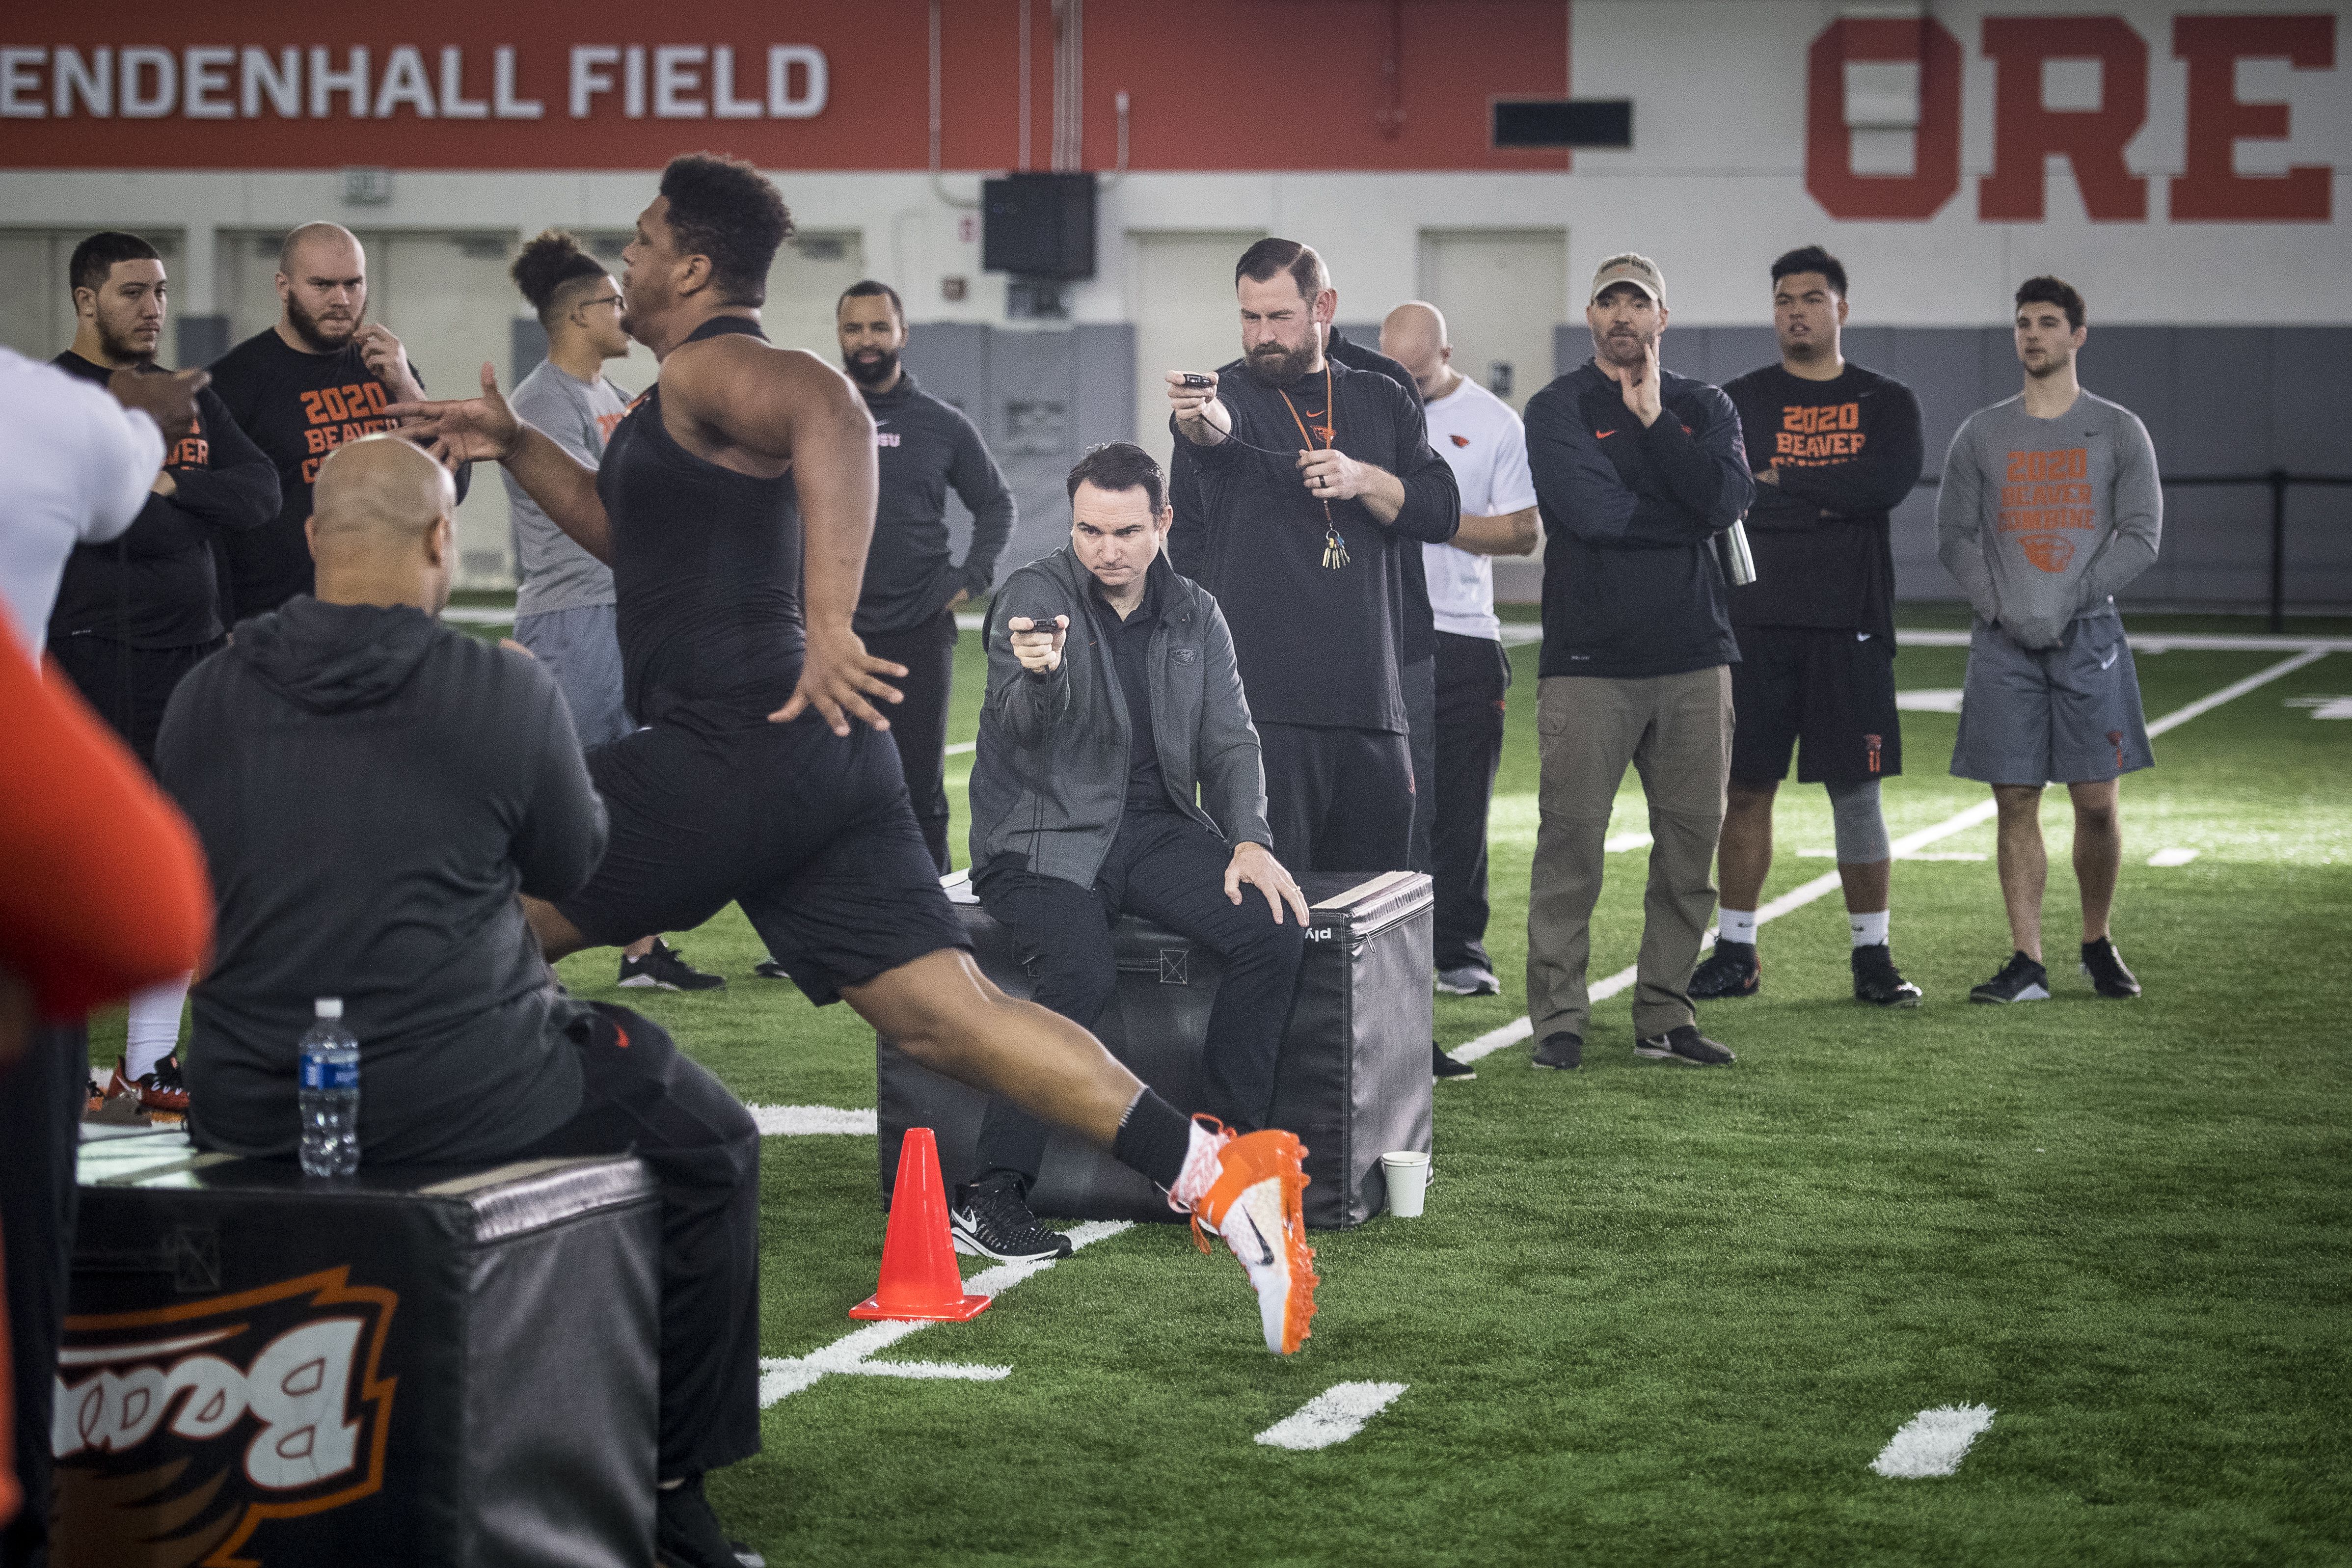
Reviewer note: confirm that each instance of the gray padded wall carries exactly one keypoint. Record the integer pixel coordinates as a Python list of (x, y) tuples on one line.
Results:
[(1040, 398), (2216, 400)]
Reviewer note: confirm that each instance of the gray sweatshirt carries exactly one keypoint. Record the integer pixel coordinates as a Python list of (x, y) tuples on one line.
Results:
[(2041, 520)]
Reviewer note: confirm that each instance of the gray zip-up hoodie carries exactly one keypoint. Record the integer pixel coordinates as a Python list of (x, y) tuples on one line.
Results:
[(1049, 781)]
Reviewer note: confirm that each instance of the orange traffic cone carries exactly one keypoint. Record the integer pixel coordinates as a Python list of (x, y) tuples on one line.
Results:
[(919, 1278)]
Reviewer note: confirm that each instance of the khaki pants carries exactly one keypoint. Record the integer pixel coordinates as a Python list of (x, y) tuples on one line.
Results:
[(1676, 730)]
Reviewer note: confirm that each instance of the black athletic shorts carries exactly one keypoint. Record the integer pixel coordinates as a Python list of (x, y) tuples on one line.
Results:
[(1832, 689), (810, 832)]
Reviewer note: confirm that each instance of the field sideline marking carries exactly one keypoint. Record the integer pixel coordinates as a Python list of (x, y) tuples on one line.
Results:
[(1804, 893), (1933, 1443), (1334, 1416), (780, 1377), (802, 1120)]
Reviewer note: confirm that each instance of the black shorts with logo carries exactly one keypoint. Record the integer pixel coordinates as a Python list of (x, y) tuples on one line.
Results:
[(810, 832), (1832, 689)]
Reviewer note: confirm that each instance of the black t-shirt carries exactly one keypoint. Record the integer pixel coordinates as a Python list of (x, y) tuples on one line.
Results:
[(1848, 451), (1129, 642), (1317, 645), (706, 571), (156, 586), (296, 408), (1417, 623)]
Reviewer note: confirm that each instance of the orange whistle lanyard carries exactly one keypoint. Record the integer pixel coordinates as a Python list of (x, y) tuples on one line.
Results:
[(1335, 548)]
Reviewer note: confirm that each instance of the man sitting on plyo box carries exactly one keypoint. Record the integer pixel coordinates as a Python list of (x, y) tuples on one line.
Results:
[(1114, 716), (373, 788)]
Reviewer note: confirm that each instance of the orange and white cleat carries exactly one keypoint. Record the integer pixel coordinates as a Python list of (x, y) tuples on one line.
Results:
[(1253, 1199)]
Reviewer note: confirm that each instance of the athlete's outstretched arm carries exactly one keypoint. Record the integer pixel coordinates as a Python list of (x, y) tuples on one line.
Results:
[(484, 429), (788, 406)]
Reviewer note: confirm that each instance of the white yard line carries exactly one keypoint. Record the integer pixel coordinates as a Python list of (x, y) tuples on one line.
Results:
[(802, 1120), (1933, 1443), (961, 747), (1910, 844), (850, 1355), (1623, 842), (1334, 1416), (1516, 633), (2166, 859)]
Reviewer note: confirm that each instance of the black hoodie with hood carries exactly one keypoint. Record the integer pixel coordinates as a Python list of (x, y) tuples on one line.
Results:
[(372, 789)]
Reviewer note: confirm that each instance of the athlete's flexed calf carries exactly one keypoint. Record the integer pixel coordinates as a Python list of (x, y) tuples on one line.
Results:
[(759, 778)]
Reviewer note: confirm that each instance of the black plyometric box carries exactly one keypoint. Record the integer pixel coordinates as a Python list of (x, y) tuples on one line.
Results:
[(414, 1365), (1353, 1083), (1038, 226)]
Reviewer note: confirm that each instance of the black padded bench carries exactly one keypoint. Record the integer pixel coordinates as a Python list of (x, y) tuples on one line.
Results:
[(1353, 1083), (417, 1365)]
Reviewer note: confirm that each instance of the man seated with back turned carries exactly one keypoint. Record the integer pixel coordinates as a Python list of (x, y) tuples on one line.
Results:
[(372, 789), (1114, 715)]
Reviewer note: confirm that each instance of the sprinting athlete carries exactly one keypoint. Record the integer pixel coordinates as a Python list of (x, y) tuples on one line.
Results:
[(761, 776)]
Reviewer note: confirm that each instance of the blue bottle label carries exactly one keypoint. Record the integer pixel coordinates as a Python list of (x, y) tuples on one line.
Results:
[(319, 1073)]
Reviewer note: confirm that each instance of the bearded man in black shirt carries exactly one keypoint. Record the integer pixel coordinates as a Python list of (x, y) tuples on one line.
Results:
[(1298, 483), (318, 379), (136, 614), (1834, 447)]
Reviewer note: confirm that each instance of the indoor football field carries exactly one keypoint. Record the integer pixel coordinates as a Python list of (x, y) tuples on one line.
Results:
[(2062, 1283)]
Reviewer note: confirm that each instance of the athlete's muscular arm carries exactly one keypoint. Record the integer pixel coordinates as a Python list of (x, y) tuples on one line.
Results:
[(761, 410), (484, 429)]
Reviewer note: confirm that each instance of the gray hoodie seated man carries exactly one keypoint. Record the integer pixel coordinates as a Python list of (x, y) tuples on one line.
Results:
[(1118, 772), (372, 789)]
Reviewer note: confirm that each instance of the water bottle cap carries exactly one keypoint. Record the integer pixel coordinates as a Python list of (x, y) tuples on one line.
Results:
[(330, 1006)]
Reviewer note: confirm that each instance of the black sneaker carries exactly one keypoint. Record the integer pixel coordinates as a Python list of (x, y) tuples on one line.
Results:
[(686, 1534), (768, 969), (1442, 1067), (667, 968), (1685, 1045), (994, 1221), (2020, 980), (1562, 1052), (1877, 982), (1731, 970), (2106, 967)]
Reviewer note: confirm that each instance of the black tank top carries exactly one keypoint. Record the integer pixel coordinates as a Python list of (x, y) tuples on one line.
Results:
[(706, 570)]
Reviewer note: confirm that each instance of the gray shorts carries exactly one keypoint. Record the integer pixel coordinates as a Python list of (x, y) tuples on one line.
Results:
[(2068, 714), (581, 648)]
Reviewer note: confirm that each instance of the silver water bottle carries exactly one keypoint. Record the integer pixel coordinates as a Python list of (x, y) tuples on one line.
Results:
[(1731, 552)]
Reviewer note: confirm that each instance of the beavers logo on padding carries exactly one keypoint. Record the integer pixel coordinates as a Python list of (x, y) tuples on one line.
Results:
[(182, 1431), (2050, 551)]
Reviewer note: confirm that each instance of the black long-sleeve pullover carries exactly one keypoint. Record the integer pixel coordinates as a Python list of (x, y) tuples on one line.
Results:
[(1317, 645), (1631, 588), (923, 448), (1846, 452), (372, 789), (156, 586)]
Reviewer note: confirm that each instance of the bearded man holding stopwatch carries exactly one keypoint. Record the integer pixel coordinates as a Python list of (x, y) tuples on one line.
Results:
[(1296, 482)]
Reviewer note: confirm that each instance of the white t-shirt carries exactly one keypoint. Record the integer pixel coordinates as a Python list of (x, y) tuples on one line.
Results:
[(1478, 434), (75, 469)]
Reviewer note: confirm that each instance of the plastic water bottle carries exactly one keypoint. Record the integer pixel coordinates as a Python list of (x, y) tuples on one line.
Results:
[(330, 1094)]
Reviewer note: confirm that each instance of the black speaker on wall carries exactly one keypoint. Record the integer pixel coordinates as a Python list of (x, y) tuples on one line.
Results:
[(1038, 226)]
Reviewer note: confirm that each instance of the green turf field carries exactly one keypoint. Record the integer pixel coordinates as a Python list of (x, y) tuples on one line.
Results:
[(1659, 1315)]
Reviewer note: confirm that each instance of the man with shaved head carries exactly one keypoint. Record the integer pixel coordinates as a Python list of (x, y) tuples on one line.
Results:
[(1483, 442), (318, 379), (373, 789)]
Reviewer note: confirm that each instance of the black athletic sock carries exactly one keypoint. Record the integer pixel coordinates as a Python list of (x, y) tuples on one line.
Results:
[(1153, 1138)]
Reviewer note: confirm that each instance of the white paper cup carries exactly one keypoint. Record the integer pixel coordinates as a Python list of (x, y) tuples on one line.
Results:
[(1408, 1177)]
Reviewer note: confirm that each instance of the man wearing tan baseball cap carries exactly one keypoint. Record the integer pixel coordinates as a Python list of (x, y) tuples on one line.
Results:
[(1636, 471)]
